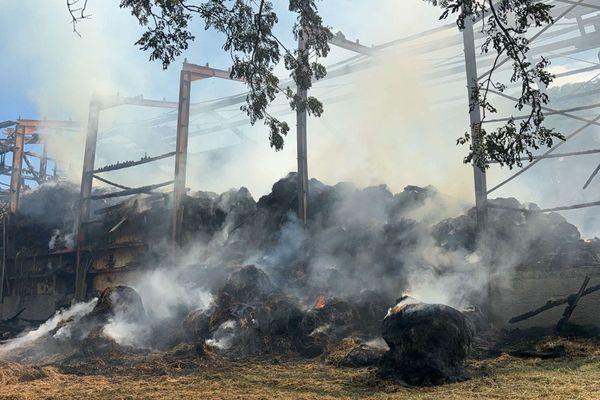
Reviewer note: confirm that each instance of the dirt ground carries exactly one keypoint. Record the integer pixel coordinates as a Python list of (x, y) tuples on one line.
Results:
[(182, 375)]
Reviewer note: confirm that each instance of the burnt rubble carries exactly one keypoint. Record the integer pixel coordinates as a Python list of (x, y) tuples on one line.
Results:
[(350, 226), (321, 290), (80, 331), (46, 214), (536, 238), (251, 317)]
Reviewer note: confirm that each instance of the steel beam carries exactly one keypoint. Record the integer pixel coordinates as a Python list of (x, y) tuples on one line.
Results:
[(17, 168), (301, 117), (87, 178), (129, 164), (129, 191), (534, 37), (115, 101), (545, 210), (545, 154), (198, 72), (183, 122), (340, 40), (475, 120)]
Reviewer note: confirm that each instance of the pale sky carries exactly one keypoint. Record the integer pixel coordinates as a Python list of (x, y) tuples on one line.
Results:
[(391, 134)]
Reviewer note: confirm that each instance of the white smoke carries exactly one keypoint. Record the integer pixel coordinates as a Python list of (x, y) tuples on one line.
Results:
[(224, 335), (65, 317)]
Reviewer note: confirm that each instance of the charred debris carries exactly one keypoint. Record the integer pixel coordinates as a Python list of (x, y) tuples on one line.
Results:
[(331, 289)]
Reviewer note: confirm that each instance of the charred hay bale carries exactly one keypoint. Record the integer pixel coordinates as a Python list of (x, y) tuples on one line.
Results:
[(371, 307), (98, 344), (121, 301), (352, 352), (428, 343), (42, 211), (246, 285), (196, 324), (284, 199), (328, 322), (329, 312), (250, 316), (280, 315), (201, 218), (237, 205), (529, 235), (271, 326)]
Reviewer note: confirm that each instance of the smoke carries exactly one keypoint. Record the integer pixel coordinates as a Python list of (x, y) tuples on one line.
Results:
[(391, 128), (58, 327), (223, 337)]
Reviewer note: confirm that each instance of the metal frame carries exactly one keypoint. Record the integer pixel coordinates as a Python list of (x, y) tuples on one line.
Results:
[(421, 43), (189, 73), (97, 104), (481, 191), (26, 132)]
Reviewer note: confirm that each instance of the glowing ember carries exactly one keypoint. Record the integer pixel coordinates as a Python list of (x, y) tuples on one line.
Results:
[(320, 303)]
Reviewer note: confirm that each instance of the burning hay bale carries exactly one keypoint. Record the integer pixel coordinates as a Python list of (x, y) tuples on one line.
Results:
[(428, 343), (329, 321)]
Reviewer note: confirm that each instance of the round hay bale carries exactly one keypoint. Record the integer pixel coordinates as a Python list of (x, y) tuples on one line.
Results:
[(121, 301), (428, 343), (196, 324)]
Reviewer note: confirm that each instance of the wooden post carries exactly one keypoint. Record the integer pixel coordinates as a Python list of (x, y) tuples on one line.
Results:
[(44, 163), (3, 270), (183, 121), (87, 178), (17, 168), (475, 119), (572, 304), (301, 117)]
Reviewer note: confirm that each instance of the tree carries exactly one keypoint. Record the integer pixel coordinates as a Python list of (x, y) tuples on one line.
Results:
[(505, 23), (255, 52)]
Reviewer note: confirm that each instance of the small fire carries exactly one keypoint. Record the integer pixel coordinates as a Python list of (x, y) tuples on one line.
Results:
[(320, 303)]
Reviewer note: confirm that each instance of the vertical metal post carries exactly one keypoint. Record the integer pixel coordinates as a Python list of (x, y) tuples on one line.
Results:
[(44, 163), (301, 117), (17, 168), (475, 117), (87, 178), (3, 270), (183, 121)]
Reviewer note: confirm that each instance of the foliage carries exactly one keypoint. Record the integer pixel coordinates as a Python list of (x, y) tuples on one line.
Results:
[(505, 24), (255, 50)]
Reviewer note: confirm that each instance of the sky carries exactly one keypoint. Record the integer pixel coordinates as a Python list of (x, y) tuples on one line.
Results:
[(393, 131)]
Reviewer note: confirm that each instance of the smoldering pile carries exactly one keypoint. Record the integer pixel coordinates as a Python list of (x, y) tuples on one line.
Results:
[(250, 316), (324, 289), (78, 331), (47, 216)]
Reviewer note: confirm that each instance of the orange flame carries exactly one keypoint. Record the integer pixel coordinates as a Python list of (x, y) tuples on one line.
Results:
[(320, 303)]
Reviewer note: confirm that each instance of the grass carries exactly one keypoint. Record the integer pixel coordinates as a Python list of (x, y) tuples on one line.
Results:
[(165, 376)]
